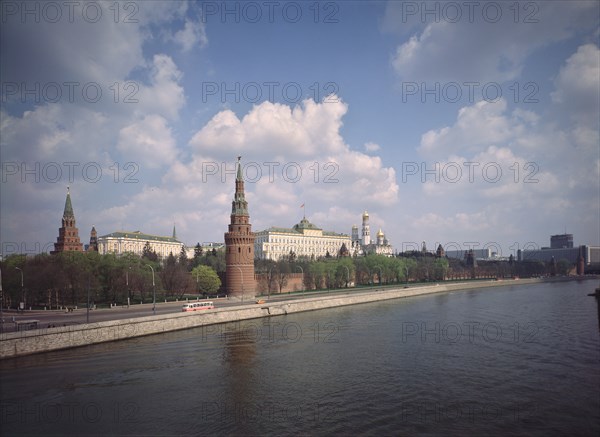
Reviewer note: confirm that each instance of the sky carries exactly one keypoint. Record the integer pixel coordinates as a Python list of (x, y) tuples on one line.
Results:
[(466, 124)]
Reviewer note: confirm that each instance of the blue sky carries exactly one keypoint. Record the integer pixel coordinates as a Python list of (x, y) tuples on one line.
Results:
[(503, 149)]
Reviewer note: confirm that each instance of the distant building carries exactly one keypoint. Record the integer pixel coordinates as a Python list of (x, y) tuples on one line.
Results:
[(561, 241), (303, 239), (590, 254), (93, 246), (68, 234), (478, 254), (561, 247), (122, 242), (190, 251)]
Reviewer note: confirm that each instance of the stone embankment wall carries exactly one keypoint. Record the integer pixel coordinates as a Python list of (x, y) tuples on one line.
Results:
[(15, 344)]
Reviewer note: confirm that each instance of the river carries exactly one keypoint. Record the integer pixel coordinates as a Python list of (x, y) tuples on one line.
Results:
[(515, 360)]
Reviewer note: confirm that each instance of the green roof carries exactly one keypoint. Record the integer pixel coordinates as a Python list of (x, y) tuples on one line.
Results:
[(304, 224), (137, 235), (68, 212)]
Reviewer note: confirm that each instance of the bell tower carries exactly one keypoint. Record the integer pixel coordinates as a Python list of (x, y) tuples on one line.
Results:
[(239, 244)]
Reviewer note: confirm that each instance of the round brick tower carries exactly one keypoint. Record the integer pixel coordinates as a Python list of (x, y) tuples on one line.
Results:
[(239, 245)]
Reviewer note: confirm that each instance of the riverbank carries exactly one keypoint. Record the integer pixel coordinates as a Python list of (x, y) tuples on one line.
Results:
[(43, 340)]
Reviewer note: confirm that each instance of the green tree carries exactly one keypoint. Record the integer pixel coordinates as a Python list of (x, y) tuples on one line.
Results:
[(207, 279), (563, 266), (149, 253), (440, 269), (183, 259)]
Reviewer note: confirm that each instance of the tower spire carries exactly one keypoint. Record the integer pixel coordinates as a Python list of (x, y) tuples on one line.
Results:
[(68, 212)]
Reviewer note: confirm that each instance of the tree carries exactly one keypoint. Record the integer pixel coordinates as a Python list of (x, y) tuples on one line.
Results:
[(563, 266), (281, 276), (183, 259), (440, 268), (207, 279), (197, 260), (149, 253)]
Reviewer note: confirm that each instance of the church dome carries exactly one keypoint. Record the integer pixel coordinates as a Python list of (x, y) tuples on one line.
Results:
[(365, 214), (380, 233)]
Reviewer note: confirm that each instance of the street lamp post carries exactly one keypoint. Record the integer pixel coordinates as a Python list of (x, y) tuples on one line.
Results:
[(153, 292), (1, 305), (87, 314), (270, 277), (406, 268), (22, 304), (127, 285)]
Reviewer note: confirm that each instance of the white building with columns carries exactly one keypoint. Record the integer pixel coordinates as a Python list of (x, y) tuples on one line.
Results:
[(122, 242), (303, 239)]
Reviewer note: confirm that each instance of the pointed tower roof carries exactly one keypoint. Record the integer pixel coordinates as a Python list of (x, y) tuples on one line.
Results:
[(239, 206), (239, 170), (174, 233), (68, 212)]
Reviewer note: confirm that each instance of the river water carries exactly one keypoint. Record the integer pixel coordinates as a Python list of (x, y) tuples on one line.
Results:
[(515, 360)]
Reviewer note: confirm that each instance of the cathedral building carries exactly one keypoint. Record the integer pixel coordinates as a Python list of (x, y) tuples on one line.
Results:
[(68, 234), (239, 245), (364, 245)]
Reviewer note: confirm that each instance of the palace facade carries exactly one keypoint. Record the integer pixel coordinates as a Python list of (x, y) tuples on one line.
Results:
[(303, 240), (134, 242)]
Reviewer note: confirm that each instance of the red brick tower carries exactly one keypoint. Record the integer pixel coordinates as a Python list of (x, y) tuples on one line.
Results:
[(239, 244), (68, 234)]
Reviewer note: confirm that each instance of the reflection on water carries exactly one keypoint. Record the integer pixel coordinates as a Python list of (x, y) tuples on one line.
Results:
[(512, 360)]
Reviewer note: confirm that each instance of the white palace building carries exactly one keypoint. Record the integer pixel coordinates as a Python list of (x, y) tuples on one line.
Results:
[(307, 240), (134, 242), (304, 239)]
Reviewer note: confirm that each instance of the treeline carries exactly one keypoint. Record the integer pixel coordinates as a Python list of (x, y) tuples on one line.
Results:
[(68, 278), (330, 272)]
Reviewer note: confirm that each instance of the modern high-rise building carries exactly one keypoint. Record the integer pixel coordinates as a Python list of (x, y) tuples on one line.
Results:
[(239, 244), (561, 241), (68, 234)]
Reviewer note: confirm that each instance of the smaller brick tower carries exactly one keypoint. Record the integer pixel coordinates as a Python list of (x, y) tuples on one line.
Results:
[(68, 234)]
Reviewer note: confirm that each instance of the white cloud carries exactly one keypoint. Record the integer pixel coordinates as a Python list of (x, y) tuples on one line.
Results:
[(479, 49), (274, 128), (148, 141), (192, 35), (165, 95), (578, 85), (372, 147)]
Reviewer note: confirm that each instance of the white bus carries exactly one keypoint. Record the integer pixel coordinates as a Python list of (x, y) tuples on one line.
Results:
[(195, 306)]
